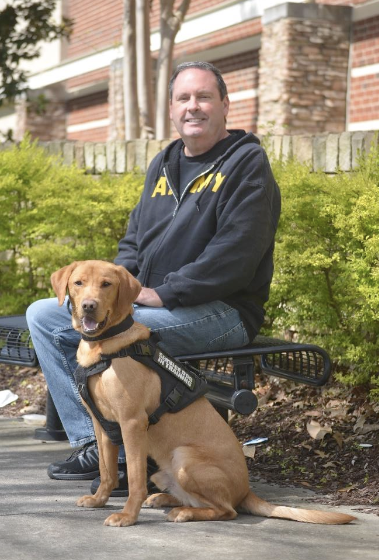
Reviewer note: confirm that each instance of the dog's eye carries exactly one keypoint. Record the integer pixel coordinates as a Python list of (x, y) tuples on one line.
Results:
[(105, 284), (78, 283)]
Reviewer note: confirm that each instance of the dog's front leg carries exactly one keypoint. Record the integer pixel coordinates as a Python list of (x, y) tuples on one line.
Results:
[(108, 455), (134, 434)]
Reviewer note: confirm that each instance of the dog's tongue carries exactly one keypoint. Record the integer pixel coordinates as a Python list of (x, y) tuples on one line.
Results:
[(89, 324)]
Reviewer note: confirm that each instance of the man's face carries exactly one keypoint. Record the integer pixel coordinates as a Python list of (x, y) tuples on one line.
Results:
[(196, 108)]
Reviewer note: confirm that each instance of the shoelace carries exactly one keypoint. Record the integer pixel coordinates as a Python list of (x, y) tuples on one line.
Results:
[(81, 451)]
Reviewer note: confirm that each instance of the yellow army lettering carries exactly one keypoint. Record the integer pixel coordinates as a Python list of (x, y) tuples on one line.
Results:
[(200, 184)]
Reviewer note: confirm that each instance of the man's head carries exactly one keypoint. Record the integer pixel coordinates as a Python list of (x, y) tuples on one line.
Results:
[(207, 66), (199, 105)]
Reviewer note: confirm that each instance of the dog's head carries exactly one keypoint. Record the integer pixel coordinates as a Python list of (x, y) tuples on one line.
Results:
[(101, 294)]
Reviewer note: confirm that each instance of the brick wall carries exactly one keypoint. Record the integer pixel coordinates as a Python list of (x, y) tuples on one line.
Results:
[(240, 73), (364, 99), (97, 25), (45, 121), (85, 110), (364, 90), (90, 78), (195, 7), (302, 77), (218, 38)]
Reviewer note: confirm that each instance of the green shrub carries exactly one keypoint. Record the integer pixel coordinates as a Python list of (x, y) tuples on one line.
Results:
[(326, 281), (52, 214)]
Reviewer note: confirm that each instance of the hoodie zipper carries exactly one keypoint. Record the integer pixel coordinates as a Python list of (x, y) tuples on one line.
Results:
[(178, 201), (186, 188)]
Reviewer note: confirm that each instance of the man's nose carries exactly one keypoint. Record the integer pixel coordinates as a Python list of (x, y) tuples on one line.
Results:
[(193, 103)]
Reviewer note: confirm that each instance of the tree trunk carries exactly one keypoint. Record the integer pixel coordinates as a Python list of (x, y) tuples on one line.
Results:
[(144, 72), (130, 71), (170, 24)]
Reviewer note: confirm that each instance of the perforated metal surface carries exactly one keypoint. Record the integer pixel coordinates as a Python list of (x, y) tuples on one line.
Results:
[(15, 342)]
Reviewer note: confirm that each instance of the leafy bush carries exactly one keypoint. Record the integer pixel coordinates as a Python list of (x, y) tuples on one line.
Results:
[(52, 214), (326, 281)]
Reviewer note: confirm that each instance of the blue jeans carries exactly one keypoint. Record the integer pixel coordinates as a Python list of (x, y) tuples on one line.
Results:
[(184, 330)]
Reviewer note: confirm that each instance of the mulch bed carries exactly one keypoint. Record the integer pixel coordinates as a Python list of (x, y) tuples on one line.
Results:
[(324, 439)]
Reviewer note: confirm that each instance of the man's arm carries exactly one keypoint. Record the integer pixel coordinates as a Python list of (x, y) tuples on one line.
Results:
[(127, 247)]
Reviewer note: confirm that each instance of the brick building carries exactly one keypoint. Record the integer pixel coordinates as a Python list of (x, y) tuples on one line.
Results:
[(294, 67)]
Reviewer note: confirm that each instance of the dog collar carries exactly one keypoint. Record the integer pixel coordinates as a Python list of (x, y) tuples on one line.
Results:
[(117, 329)]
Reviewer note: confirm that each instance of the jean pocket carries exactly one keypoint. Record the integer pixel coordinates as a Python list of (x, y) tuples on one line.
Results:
[(234, 338)]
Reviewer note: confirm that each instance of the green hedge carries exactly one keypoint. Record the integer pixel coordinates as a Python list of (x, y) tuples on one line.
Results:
[(52, 214), (326, 282)]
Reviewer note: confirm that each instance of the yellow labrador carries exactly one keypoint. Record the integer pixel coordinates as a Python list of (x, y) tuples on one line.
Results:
[(201, 464)]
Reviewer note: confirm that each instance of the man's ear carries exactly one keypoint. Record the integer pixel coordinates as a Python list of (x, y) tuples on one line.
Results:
[(128, 291), (59, 280), (226, 105)]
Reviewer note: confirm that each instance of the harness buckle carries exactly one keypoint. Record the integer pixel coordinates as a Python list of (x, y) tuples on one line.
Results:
[(173, 398), (142, 348)]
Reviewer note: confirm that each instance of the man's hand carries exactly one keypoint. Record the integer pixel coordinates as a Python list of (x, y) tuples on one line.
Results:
[(149, 297)]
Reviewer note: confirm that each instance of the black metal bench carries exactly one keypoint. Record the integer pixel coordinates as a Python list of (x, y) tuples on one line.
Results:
[(230, 374)]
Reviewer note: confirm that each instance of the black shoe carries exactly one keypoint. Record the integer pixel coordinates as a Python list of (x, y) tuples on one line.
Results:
[(122, 491), (83, 464)]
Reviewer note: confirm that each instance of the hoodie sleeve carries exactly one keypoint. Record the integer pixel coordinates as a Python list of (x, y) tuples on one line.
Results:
[(239, 256), (127, 255), (128, 247)]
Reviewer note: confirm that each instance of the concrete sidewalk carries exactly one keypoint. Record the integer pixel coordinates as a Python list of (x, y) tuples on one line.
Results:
[(39, 520)]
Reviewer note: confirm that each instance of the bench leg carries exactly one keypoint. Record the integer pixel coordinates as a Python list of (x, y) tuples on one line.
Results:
[(53, 431)]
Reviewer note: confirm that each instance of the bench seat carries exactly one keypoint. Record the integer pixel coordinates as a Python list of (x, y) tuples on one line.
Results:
[(230, 374)]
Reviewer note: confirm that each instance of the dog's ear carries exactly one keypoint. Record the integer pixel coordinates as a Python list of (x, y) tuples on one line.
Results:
[(59, 280), (128, 291)]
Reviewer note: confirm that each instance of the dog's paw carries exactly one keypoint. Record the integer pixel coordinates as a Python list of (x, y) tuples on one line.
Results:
[(90, 502), (180, 515), (161, 500), (119, 520)]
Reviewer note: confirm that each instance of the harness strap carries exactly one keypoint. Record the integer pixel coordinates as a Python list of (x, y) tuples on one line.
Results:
[(181, 383), (168, 404)]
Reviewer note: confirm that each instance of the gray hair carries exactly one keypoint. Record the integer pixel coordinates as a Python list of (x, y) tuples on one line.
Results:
[(207, 66)]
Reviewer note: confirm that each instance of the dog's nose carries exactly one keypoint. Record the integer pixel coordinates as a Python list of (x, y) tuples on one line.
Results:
[(89, 305)]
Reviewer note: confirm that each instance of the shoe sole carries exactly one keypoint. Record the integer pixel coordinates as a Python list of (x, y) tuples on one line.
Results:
[(73, 476)]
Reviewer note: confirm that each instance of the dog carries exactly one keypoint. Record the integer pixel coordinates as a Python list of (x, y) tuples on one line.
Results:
[(202, 469)]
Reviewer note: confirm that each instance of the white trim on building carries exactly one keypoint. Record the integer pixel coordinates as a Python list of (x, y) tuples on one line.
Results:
[(243, 95), (217, 20), (360, 71), (363, 125), (366, 11), (101, 123)]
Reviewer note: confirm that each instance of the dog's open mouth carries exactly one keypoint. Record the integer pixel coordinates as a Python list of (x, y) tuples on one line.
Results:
[(89, 325)]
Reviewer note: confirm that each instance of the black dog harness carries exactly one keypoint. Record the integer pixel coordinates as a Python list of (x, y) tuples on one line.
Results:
[(181, 384)]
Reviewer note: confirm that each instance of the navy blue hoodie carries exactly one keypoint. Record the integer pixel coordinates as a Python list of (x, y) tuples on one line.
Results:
[(216, 240)]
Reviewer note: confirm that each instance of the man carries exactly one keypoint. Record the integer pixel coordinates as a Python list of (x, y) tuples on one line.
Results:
[(200, 241)]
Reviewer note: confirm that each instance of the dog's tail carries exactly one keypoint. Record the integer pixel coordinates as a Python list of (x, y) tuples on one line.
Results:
[(254, 505)]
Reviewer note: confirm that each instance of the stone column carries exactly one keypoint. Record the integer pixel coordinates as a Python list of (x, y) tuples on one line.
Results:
[(303, 75), (42, 114)]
